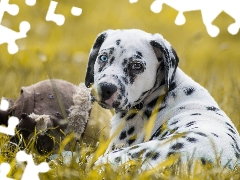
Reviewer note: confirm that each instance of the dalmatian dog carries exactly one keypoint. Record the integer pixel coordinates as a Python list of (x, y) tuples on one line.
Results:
[(159, 110)]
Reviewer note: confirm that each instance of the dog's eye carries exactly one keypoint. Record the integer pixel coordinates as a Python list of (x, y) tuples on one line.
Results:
[(103, 58), (136, 66)]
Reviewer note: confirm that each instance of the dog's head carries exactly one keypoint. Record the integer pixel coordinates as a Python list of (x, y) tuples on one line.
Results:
[(126, 65)]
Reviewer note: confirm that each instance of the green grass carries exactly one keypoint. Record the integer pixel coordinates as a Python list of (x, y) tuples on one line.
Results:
[(213, 62)]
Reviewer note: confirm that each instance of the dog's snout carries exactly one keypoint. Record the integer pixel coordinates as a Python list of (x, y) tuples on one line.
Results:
[(107, 90)]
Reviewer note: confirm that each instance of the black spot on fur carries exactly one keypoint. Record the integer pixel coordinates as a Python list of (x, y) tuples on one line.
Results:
[(195, 114), (219, 114), (171, 153), (175, 129), (155, 156), (125, 80), (201, 134), (203, 160), (122, 87), (231, 131), (111, 60), (131, 116), (212, 108), (118, 41), (102, 67), (124, 62), (139, 53), (177, 146), (173, 94), (190, 123), (157, 133), (122, 50), (125, 101), (152, 155), (237, 155), (231, 127), (162, 107), (191, 139), (137, 154), (117, 159), (114, 76), (118, 150), (174, 122), (130, 141), (119, 97), (137, 56), (165, 134), (172, 86), (134, 147), (131, 130), (215, 134), (116, 104), (231, 137), (123, 135), (123, 115), (182, 107), (111, 50), (104, 75), (189, 90), (235, 142)]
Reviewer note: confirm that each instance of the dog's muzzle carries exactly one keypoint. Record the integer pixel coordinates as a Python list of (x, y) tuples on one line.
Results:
[(106, 90)]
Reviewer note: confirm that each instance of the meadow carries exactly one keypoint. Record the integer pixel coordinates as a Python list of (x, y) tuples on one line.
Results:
[(61, 52)]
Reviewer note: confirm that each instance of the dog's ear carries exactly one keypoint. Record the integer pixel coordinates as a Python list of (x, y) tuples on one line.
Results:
[(164, 51), (89, 78)]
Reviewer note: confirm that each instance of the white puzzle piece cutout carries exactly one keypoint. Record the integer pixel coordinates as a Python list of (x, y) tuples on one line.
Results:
[(133, 1), (31, 170), (30, 2), (4, 104), (10, 129), (4, 169), (209, 10), (76, 11), (51, 16), (8, 35)]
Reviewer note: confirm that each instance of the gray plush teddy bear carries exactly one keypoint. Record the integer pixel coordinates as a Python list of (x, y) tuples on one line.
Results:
[(52, 109)]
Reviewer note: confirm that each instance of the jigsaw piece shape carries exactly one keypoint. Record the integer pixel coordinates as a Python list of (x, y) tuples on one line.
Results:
[(76, 11), (12, 123), (209, 10), (9, 36), (4, 104), (4, 169), (51, 16), (31, 170), (12, 9), (30, 2), (133, 1)]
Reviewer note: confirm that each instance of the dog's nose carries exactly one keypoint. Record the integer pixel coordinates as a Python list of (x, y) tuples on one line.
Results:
[(107, 90)]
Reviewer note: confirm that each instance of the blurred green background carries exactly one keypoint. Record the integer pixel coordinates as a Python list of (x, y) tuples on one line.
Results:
[(213, 62)]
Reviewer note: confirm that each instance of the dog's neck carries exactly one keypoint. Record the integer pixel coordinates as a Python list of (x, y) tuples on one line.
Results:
[(123, 122)]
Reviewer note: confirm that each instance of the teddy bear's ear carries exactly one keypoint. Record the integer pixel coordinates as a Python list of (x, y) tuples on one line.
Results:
[(25, 102)]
